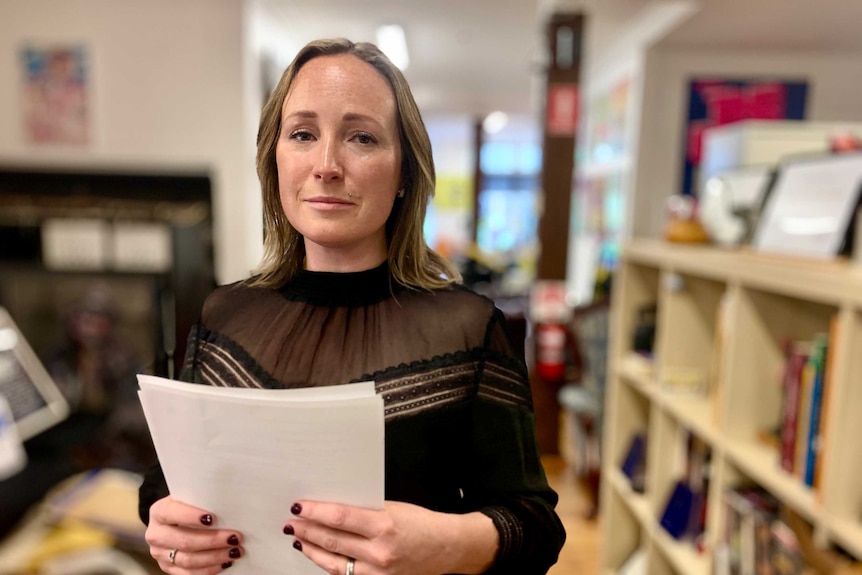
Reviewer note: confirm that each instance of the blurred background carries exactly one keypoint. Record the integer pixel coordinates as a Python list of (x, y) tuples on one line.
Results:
[(560, 129)]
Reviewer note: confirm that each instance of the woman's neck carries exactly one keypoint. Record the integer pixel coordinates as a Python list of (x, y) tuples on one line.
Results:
[(337, 259)]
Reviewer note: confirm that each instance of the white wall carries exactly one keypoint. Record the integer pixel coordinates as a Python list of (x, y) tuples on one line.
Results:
[(168, 92), (618, 35), (834, 90)]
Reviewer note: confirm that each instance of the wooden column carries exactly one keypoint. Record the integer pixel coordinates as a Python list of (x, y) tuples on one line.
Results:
[(560, 120), (478, 140), (564, 33)]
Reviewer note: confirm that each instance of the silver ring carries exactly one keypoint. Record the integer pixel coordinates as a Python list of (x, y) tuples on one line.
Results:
[(172, 556), (351, 564)]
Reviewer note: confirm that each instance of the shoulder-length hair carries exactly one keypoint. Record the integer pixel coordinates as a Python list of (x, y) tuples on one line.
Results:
[(411, 262)]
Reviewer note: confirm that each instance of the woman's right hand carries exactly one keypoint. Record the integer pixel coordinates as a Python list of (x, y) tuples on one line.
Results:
[(183, 541)]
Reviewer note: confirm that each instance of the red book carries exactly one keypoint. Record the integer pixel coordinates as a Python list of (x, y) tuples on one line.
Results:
[(797, 357)]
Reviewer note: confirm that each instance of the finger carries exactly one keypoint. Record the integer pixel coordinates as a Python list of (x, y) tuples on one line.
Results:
[(363, 522), (191, 539), (331, 540), (170, 511), (197, 561), (329, 562)]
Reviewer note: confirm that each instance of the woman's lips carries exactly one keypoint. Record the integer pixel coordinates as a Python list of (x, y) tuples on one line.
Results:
[(329, 202)]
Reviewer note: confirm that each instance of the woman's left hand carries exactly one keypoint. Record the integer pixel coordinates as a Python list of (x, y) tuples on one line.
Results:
[(400, 539)]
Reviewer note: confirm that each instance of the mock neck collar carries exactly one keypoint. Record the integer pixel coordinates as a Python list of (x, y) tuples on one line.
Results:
[(342, 289)]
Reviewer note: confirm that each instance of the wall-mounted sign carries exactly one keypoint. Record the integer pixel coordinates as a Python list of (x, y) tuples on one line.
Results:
[(562, 110)]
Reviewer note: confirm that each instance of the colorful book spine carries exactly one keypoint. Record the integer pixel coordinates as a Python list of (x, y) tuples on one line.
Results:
[(818, 358), (806, 385), (797, 356), (828, 375)]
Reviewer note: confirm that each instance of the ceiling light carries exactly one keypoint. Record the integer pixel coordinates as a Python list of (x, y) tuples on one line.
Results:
[(393, 43), (494, 122)]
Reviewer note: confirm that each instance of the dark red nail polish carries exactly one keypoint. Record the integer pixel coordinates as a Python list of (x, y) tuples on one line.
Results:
[(207, 519), (296, 508), (234, 553), (233, 540), (297, 545), (226, 564), (288, 529)]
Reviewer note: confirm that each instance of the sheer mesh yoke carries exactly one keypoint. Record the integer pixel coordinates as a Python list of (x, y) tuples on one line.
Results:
[(460, 432), (328, 329)]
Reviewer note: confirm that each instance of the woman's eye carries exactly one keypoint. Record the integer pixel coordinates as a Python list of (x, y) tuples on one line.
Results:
[(301, 136), (364, 138)]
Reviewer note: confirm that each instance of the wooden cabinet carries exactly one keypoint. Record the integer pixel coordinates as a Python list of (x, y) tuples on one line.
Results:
[(723, 320)]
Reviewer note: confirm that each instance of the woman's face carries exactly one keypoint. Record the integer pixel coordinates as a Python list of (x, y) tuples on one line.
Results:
[(339, 162)]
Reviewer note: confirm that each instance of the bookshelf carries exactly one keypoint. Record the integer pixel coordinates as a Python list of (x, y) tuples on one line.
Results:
[(723, 320)]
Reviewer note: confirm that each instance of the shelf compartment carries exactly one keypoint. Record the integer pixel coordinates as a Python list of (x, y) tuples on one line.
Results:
[(761, 463), (686, 351), (685, 458), (636, 502), (636, 287), (763, 323), (629, 416), (840, 456), (627, 535)]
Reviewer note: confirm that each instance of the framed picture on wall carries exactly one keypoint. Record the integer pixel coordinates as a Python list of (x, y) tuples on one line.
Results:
[(720, 101), (55, 95)]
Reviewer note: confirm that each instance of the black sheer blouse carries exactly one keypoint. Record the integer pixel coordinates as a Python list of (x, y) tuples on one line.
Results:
[(459, 423)]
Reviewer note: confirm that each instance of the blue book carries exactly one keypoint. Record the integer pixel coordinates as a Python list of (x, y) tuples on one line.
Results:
[(676, 515), (819, 357)]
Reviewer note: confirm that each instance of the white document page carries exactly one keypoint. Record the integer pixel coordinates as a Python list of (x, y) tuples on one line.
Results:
[(246, 455)]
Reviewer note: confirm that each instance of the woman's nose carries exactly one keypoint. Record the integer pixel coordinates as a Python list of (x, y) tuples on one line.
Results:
[(328, 166)]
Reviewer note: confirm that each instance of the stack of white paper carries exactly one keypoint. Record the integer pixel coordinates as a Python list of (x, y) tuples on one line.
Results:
[(246, 455)]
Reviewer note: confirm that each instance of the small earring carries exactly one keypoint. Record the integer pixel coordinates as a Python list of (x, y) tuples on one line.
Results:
[(401, 193), (349, 195)]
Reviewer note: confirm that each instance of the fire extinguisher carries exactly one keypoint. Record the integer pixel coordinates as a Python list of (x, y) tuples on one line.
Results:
[(551, 351)]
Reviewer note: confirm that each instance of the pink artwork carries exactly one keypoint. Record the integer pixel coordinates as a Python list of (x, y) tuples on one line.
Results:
[(716, 102), (55, 103)]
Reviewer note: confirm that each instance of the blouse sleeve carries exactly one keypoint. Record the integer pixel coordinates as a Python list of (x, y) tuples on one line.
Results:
[(509, 483), (154, 486)]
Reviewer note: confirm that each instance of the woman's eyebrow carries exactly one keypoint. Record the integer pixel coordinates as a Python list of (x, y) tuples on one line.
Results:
[(302, 114), (355, 116)]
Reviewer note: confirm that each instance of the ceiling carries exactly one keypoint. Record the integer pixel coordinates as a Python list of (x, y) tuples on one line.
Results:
[(471, 57), (785, 25), (467, 57)]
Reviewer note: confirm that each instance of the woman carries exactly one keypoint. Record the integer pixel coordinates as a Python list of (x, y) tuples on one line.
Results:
[(348, 291)]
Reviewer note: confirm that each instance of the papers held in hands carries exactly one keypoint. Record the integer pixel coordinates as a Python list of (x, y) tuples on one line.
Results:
[(246, 455)]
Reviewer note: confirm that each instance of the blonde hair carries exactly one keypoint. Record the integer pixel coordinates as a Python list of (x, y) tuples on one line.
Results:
[(411, 262)]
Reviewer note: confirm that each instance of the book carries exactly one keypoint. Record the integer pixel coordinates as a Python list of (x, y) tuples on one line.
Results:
[(818, 358), (786, 556), (749, 513), (797, 356), (634, 464), (698, 459), (676, 515), (828, 376), (803, 419)]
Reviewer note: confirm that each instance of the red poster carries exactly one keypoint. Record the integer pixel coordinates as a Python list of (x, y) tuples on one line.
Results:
[(562, 110)]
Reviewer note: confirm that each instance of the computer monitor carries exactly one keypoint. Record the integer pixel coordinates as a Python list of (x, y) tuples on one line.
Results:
[(34, 398)]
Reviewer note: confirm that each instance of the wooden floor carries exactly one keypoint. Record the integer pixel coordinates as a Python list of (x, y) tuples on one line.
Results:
[(580, 555)]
